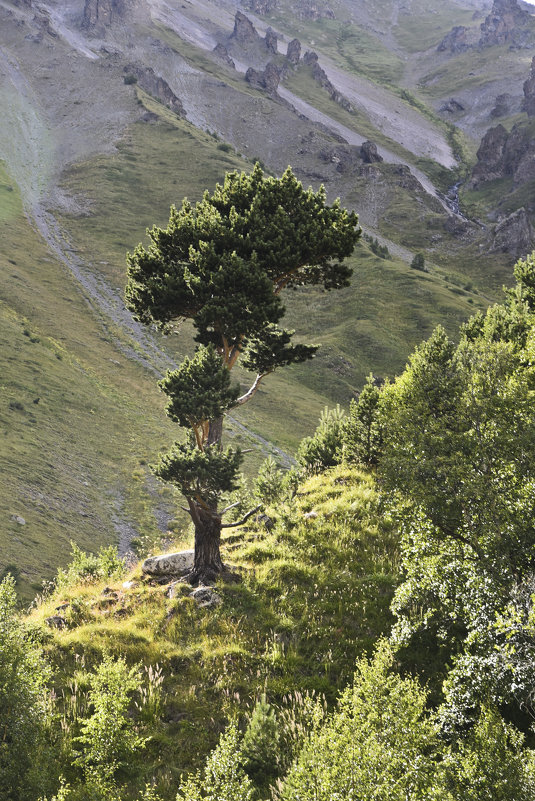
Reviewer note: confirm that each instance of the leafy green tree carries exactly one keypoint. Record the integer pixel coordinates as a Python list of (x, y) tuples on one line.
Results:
[(379, 744), (418, 262), (223, 264), (324, 448), (24, 713), (108, 737), (363, 429), (261, 745), (223, 778)]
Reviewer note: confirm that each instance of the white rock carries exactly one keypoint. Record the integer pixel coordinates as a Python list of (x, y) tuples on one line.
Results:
[(169, 564)]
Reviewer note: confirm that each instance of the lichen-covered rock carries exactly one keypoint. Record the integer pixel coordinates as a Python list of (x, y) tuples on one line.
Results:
[(451, 106), (269, 79), (205, 597), (56, 622), (169, 564)]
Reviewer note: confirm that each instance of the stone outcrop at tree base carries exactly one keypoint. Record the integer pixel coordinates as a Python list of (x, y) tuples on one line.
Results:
[(169, 564), (155, 86)]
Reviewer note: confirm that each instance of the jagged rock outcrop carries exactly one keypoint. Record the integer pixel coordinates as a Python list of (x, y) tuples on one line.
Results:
[(456, 41), (261, 6), (513, 235), (101, 13), (490, 157), (529, 92), (369, 153), (503, 155), (155, 85), (503, 106), (269, 79), (311, 60), (244, 30), (222, 53), (347, 158), (506, 24), (451, 106), (271, 41), (293, 53)]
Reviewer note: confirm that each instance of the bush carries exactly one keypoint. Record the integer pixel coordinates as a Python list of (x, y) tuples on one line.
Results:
[(87, 567), (324, 448), (418, 263)]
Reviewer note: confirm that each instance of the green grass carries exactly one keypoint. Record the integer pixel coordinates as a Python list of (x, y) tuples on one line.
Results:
[(426, 24), (315, 595)]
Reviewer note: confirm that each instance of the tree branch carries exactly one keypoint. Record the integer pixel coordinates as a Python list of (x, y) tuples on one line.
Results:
[(250, 392), (228, 508), (244, 518)]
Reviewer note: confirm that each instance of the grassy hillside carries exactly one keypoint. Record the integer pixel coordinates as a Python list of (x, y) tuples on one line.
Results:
[(315, 594)]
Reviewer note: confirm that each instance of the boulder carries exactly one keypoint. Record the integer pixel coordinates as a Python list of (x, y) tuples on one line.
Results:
[(205, 597), (369, 153), (221, 52), (56, 622), (293, 53), (169, 564), (269, 79), (244, 30), (271, 41)]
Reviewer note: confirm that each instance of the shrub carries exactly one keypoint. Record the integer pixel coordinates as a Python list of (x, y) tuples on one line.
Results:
[(324, 448), (87, 567)]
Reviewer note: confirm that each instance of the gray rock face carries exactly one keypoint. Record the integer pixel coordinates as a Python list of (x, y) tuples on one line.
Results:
[(513, 235), (102, 13), (490, 156), (369, 154), (293, 53), (456, 41), (503, 106), (221, 52), (269, 79), (311, 59), (452, 106), (271, 41), (155, 86), (504, 24), (169, 564), (529, 92), (244, 30)]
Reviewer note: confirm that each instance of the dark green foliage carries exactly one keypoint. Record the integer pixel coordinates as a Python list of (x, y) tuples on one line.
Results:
[(273, 349), (376, 247), (418, 262), (363, 428), (199, 390), (200, 474), (261, 744), (269, 483), (24, 716), (324, 448)]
